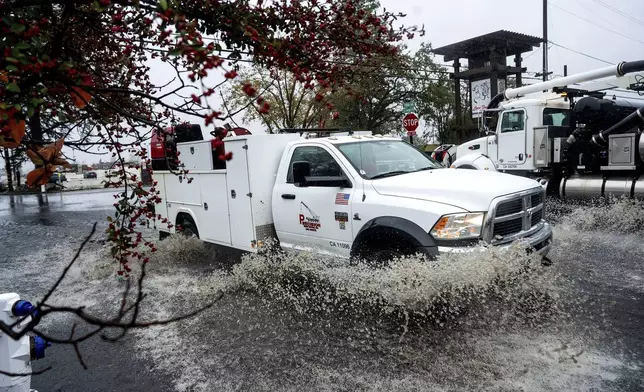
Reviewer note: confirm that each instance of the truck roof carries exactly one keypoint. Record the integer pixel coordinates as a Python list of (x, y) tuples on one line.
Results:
[(349, 139)]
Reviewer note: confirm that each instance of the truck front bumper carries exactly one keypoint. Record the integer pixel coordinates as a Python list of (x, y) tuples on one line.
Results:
[(540, 240)]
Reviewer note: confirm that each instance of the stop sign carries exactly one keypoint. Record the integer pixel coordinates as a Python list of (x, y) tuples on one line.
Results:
[(410, 123)]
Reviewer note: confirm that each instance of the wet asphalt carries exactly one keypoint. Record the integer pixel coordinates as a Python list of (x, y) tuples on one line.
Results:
[(607, 274), (27, 225)]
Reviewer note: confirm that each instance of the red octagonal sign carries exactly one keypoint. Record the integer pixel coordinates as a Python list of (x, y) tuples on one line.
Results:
[(410, 123)]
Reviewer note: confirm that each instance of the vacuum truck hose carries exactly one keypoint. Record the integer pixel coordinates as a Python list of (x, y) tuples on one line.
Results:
[(633, 119), (630, 66)]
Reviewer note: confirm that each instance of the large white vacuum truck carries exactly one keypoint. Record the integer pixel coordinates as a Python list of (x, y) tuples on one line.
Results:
[(576, 141)]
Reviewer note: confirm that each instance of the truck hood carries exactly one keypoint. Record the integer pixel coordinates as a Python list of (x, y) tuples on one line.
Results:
[(471, 190)]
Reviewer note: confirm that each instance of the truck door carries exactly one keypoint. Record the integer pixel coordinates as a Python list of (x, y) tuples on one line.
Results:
[(314, 217), (511, 135)]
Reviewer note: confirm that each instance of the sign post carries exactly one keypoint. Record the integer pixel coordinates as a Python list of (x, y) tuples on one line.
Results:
[(410, 123)]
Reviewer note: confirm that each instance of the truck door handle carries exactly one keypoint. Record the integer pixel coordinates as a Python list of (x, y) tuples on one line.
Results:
[(288, 196)]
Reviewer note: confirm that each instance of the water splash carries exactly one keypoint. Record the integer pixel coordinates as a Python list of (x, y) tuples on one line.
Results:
[(607, 215), (410, 288)]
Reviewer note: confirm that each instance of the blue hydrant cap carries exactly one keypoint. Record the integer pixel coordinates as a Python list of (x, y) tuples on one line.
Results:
[(22, 308), (40, 345)]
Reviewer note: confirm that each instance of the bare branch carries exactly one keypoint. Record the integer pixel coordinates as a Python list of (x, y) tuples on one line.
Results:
[(34, 373), (69, 265), (76, 349)]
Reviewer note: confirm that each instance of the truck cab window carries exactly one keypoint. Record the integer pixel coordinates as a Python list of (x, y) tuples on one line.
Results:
[(513, 121), (556, 117), (322, 163)]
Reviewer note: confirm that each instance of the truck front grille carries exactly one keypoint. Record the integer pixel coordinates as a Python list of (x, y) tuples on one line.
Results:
[(508, 227), (536, 217), (517, 215), (509, 207)]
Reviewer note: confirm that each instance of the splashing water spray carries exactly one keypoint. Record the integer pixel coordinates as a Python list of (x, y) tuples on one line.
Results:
[(16, 355)]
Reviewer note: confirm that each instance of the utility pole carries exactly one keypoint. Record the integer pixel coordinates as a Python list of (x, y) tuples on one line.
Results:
[(545, 40)]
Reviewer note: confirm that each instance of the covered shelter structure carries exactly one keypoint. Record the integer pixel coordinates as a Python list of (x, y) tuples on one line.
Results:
[(487, 67)]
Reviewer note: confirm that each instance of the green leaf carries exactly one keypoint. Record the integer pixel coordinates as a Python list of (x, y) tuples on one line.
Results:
[(174, 52), (17, 53), (11, 67), (109, 219), (18, 107), (18, 28), (13, 87), (163, 4), (12, 60), (30, 111), (22, 45)]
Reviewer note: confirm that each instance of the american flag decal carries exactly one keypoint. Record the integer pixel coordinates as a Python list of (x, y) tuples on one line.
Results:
[(342, 199)]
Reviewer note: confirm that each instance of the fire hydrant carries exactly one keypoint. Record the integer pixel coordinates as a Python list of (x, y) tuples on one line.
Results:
[(16, 355)]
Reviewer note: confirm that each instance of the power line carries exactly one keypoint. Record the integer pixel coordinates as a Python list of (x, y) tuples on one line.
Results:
[(533, 52), (597, 15), (581, 53), (593, 23), (622, 13)]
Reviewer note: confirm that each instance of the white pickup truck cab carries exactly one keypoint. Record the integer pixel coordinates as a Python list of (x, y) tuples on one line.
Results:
[(364, 197)]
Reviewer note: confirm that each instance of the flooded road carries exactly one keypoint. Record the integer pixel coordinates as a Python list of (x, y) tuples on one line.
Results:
[(311, 324)]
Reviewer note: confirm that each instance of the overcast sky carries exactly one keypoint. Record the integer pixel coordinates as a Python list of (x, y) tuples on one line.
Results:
[(593, 27), (582, 25)]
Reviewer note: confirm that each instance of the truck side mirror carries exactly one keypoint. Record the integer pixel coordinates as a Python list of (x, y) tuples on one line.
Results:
[(301, 170)]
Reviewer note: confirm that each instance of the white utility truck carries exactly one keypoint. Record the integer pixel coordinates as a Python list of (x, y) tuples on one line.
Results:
[(576, 140), (365, 197)]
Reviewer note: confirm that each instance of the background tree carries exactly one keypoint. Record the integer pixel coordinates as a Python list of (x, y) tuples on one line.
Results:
[(373, 99), (291, 103)]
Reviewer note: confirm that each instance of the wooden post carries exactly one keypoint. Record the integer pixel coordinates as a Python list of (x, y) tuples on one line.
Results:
[(457, 92), (517, 63)]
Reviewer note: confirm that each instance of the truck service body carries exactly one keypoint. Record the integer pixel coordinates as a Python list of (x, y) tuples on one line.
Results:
[(576, 141), (350, 196)]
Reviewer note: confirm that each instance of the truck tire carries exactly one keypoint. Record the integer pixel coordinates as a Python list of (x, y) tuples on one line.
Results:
[(379, 252), (189, 228)]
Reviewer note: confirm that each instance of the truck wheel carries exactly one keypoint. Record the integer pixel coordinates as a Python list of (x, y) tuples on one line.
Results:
[(379, 253), (189, 228)]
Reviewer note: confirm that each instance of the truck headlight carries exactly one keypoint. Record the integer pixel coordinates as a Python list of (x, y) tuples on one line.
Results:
[(459, 226)]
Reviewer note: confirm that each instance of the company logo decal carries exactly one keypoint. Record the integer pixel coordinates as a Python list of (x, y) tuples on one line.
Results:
[(309, 219)]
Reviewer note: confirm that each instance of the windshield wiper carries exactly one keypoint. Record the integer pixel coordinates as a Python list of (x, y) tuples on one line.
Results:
[(389, 174), (423, 169)]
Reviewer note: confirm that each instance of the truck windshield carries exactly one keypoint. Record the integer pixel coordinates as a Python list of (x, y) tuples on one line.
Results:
[(386, 158)]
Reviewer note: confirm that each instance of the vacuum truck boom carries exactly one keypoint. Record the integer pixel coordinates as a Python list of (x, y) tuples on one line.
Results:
[(618, 70)]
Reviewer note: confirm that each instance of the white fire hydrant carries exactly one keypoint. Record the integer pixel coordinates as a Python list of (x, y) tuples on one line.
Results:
[(16, 355)]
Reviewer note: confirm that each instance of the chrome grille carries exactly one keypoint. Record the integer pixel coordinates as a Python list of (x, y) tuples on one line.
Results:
[(509, 207), (517, 215), (508, 227), (536, 217)]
